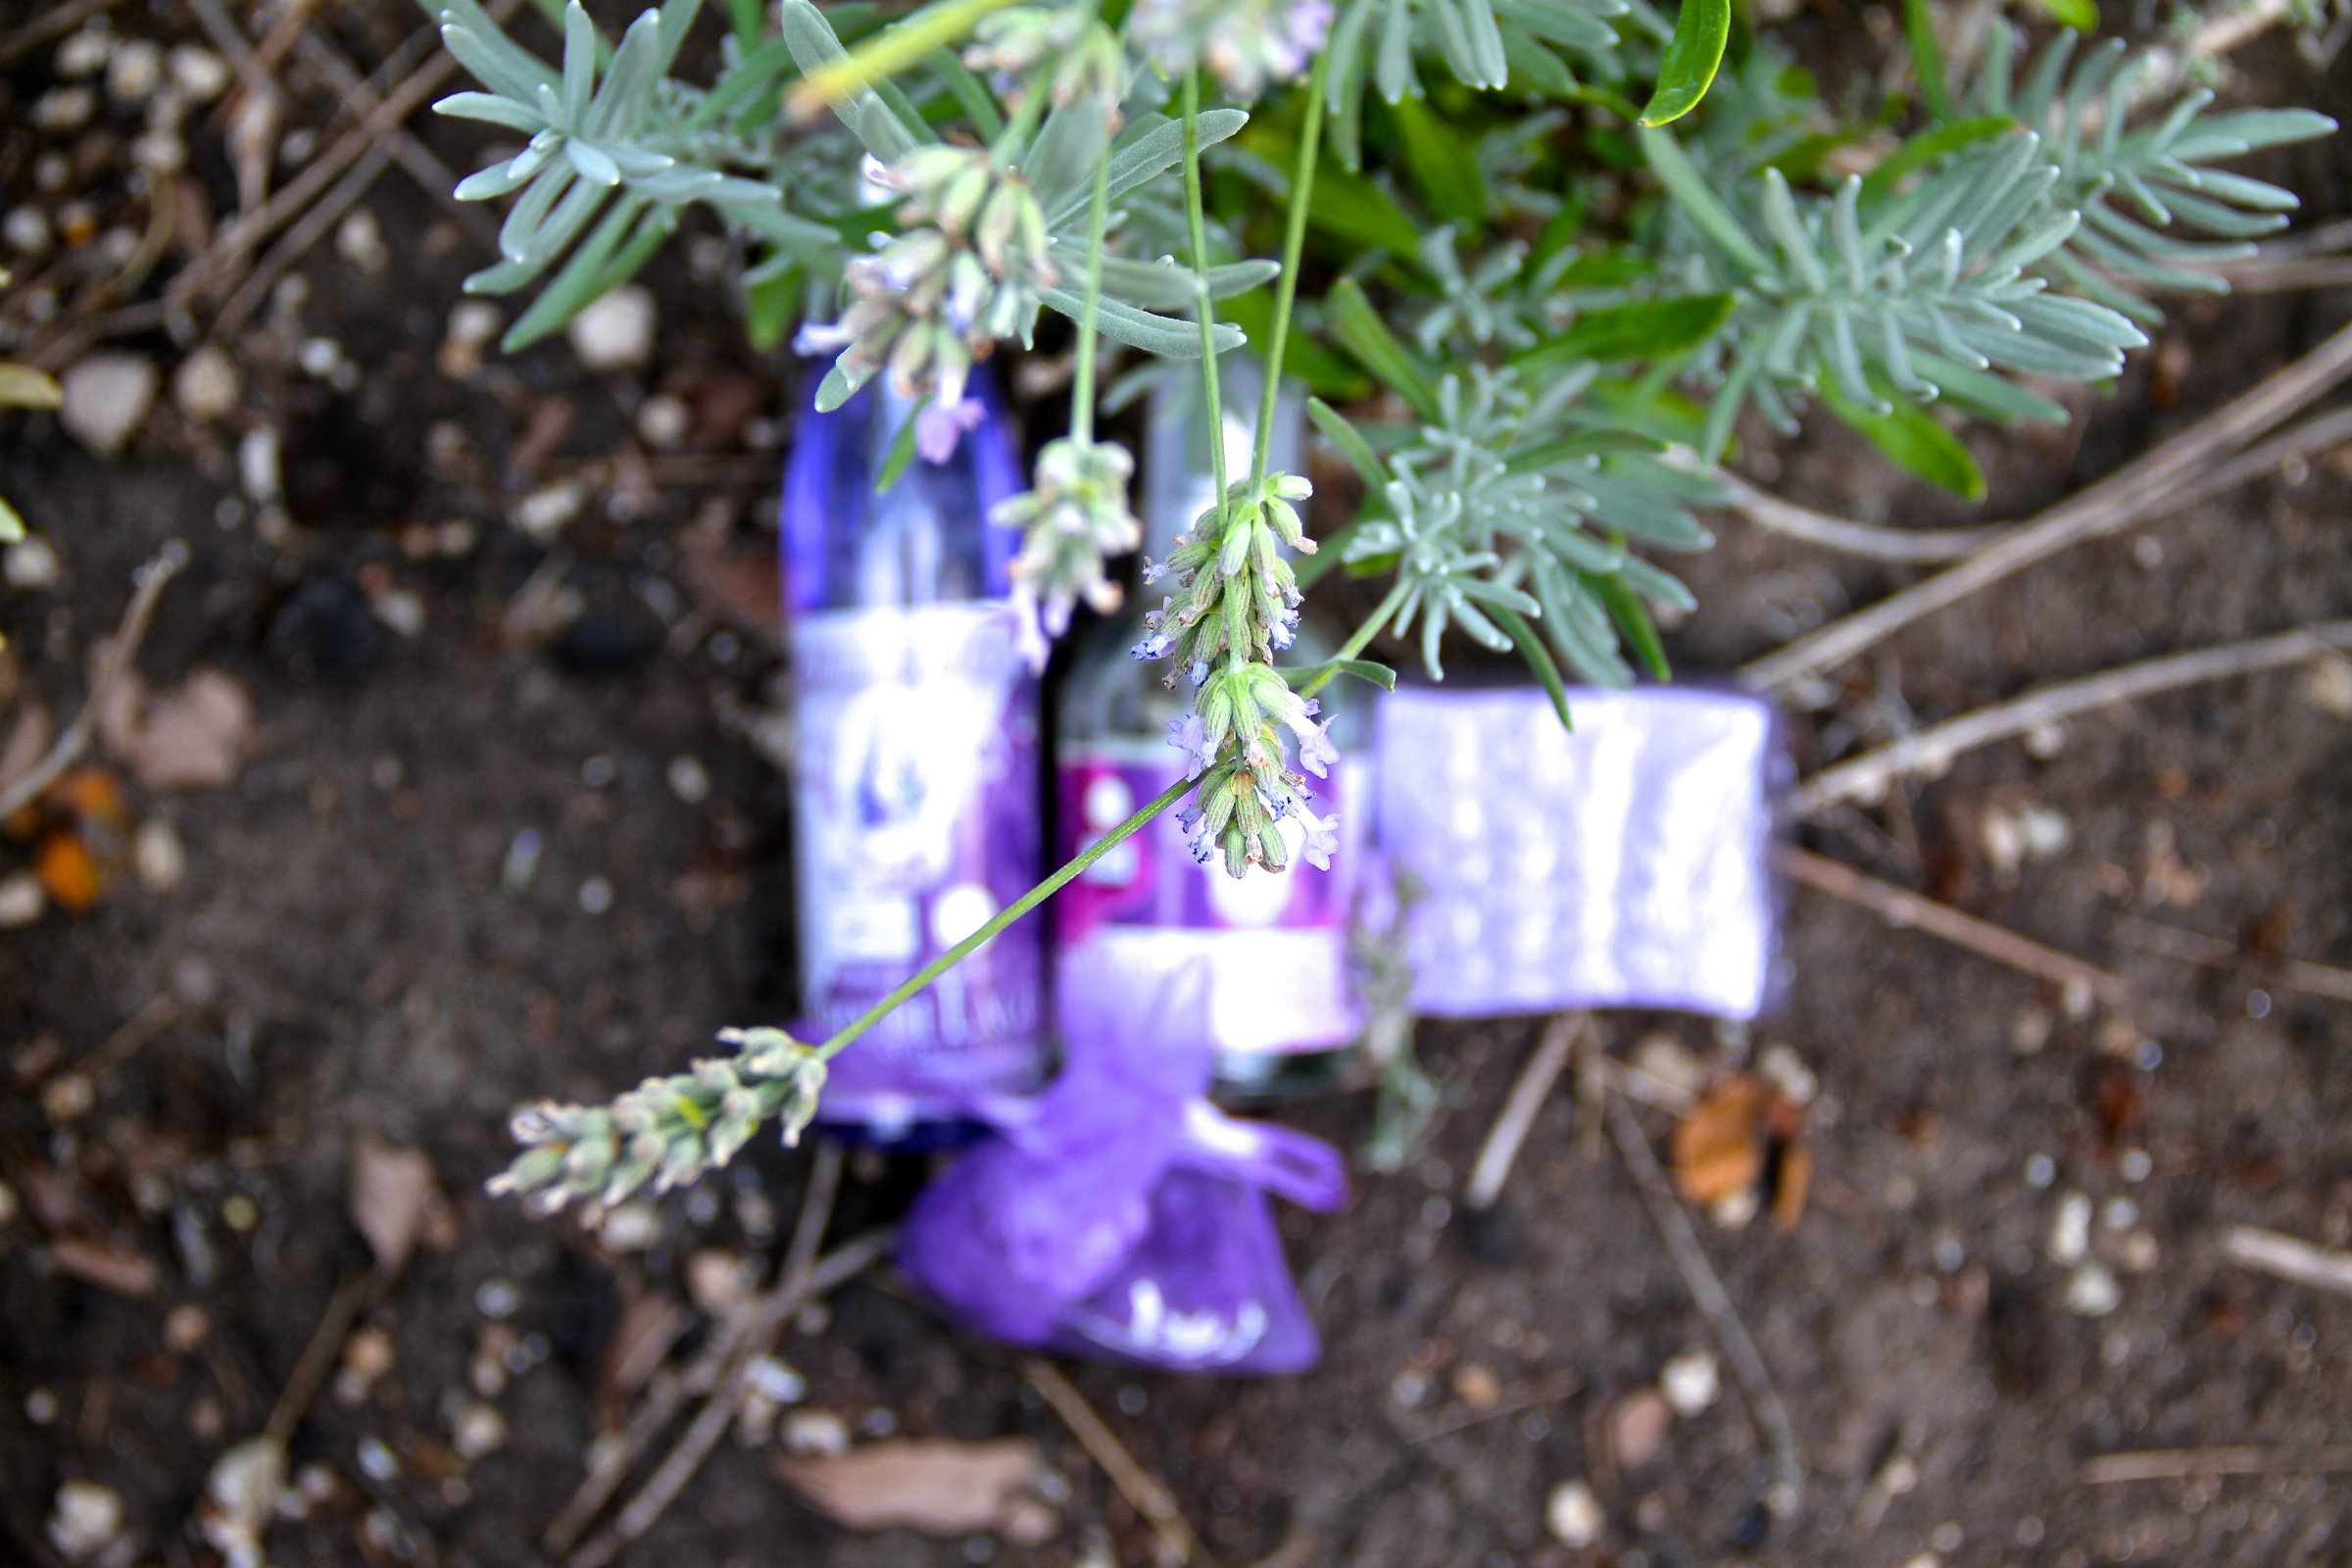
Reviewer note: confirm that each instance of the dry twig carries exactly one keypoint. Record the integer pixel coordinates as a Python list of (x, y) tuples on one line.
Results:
[(148, 587), (317, 1360), (1979, 937), (2194, 947), (55, 23), (1143, 1490), (803, 1277), (1547, 1389), (1930, 752), (1786, 1490), (2106, 507), (1544, 1064), (2284, 1258), (2182, 1464)]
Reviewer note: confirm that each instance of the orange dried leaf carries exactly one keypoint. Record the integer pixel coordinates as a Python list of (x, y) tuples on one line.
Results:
[(1788, 1193), (68, 871), (91, 794), (1717, 1150)]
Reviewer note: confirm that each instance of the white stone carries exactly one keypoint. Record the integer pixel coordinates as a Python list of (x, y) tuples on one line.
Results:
[(22, 900), (478, 1430), (88, 1517), (26, 229), (543, 513), (64, 108), (1691, 1382), (816, 1435), (161, 859), (616, 332), (260, 470), (2092, 1292), (631, 1227), (134, 70), (1573, 1515), (2328, 689), (107, 398), (2070, 1232), (206, 385), (33, 564), (359, 240), (664, 421), (83, 53), (319, 357), (200, 75)]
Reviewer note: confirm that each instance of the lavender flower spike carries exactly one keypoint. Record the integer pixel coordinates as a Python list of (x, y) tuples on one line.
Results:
[(1243, 43)]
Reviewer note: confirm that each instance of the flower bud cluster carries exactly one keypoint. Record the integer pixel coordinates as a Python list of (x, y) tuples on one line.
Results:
[(1087, 59), (1074, 516), (967, 270), (1235, 594), (667, 1131), (1243, 43)]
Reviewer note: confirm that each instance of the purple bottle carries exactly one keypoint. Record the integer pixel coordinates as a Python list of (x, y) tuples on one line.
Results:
[(914, 795), (1282, 1015)]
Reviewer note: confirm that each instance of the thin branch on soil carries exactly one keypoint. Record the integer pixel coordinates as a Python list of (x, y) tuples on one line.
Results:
[(55, 23), (159, 1013), (1930, 752), (1141, 1490), (2286, 1258), (1874, 543), (2106, 507), (668, 1393), (1548, 1389), (2194, 947), (433, 177), (756, 1337), (1544, 1064), (317, 1360), (2184, 1464), (1787, 1490), (1899, 907), (148, 587)]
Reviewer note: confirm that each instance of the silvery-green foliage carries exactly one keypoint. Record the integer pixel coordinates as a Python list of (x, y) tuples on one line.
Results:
[(609, 142), (1922, 295), (2155, 211), (1520, 501), (1496, 300), (1379, 43)]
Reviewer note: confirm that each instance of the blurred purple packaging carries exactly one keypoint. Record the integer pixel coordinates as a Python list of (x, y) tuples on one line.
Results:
[(1621, 865), (1119, 1215)]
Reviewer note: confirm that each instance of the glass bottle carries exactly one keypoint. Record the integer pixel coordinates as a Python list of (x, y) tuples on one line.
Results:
[(1282, 1007), (916, 791)]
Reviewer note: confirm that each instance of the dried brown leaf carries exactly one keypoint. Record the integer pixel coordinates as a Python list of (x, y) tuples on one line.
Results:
[(933, 1485), (392, 1192), (1718, 1149)]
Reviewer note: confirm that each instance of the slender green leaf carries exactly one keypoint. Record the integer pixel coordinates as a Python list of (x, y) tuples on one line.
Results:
[(1633, 623), (1324, 372), (1538, 660), (1444, 165), (1350, 440), (2081, 14), (1364, 670), (1927, 57), (902, 448), (1911, 436), (1646, 330), (1691, 58), (1350, 317)]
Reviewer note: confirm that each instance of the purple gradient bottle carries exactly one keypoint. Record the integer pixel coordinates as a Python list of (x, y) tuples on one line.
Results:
[(1282, 1010), (915, 804)]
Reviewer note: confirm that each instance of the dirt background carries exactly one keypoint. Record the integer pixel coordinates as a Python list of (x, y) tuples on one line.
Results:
[(346, 957)]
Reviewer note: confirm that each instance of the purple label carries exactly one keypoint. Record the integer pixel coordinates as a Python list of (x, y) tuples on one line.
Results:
[(1276, 942), (918, 733)]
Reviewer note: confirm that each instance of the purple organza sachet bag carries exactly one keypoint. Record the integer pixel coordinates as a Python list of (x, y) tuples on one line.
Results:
[(1120, 1216)]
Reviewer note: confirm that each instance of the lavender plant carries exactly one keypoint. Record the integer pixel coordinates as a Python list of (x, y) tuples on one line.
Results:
[(1510, 341)]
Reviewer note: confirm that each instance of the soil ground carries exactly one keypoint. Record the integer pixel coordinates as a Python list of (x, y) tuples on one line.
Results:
[(346, 954)]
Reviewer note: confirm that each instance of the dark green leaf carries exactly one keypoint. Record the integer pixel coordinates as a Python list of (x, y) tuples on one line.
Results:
[(1345, 206), (1444, 165), (1302, 358), (1380, 675), (1911, 436), (1633, 621), (1927, 57), (2081, 14), (1350, 440), (1350, 317), (1538, 658), (1646, 330), (1690, 60), (902, 448), (771, 305)]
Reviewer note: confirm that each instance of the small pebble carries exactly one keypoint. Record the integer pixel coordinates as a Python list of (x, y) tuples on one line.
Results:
[(596, 895), (2120, 1214), (1691, 1382), (1781, 1067), (107, 398), (2135, 1164), (2040, 1170), (206, 385), (2139, 1252), (200, 75), (27, 232), (497, 1299), (240, 1213), (717, 1280), (774, 1380), (543, 511), (33, 564), (478, 1430), (161, 859), (1476, 1384), (22, 900), (663, 420), (376, 1460), (319, 357), (359, 240), (63, 109), (1572, 1514), (134, 71), (40, 1408), (2092, 1292), (259, 464), (616, 332), (83, 53), (815, 1435), (185, 1327), (689, 780), (87, 1519), (2070, 1232), (631, 1227)]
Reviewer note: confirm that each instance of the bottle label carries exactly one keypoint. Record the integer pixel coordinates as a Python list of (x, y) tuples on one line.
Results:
[(914, 799), (1275, 942)]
